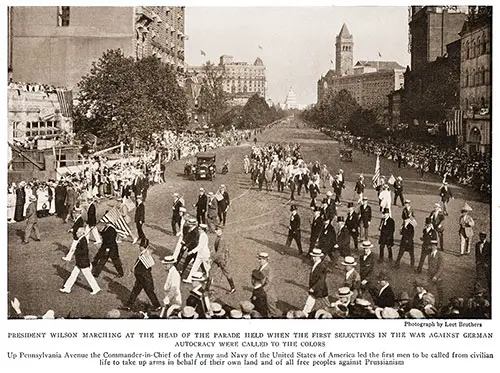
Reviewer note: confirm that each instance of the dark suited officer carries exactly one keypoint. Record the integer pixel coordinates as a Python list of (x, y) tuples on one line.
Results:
[(316, 227), (201, 207), (318, 290), (143, 278), (108, 250), (428, 234), (294, 230), (386, 238), (140, 218), (365, 218)]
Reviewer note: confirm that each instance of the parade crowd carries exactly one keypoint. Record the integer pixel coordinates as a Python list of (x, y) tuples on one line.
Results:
[(473, 170), (339, 242)]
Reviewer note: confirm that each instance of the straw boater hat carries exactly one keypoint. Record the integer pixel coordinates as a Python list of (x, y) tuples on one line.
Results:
[(344, 292), (32, 198), (316, 252), (218, 310), (366, 245), (263, 255), (175, 195), (236, 314), (295, 314), (415, 313), (198, 276), (322, 314), (246, 306), (170, 259), (386, 313), (466, 207), (363, 302), (182, 209), (189, 313), (349, 261), (173, 308), (329, 193)]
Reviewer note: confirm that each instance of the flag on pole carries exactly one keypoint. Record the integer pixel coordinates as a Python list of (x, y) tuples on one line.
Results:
[(454, 127), (376, 176), (65, 98), (202, 52), (146, 259), (114, 218)]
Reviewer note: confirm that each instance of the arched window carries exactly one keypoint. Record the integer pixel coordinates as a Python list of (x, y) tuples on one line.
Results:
[(483, 102), (481, 46), (473, 78), (478, 47), (486, 76), (466, 78), (466, 104), (473, 50), (486, 41), (467, 51)]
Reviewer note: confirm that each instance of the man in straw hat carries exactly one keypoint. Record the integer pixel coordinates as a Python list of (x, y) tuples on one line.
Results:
[(268, 284), (221, 257), (177, 204), (258, 301), (218, 311), (172, 285), (352, 279), (437, 219), (294, 230), (340, 308), (428, 234), (386, 313), (188, 312), (201, 255), (31, 221), (318, 290), (198, 296), (406, 243), (465, 231), (367, 267), (201, 207), (352, 223), (82, 264), (436, 268), (222, 204)]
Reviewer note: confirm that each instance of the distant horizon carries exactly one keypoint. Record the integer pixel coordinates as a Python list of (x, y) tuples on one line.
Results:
[(296, 44)]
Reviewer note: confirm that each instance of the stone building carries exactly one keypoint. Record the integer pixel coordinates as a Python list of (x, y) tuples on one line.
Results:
[(290, 100), (475, 79), (344, 45), (57, 44)]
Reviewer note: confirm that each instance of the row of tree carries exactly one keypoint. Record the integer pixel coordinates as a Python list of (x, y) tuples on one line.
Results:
[(127, 100)]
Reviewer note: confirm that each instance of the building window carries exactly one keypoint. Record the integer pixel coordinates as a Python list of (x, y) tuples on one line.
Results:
[(486, 77), (478, 47), (63, 16), (473, 50), (467, 51), (481, 46)]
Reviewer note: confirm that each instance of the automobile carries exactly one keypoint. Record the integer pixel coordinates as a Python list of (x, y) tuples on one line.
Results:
[(346, 154), (205, 166)]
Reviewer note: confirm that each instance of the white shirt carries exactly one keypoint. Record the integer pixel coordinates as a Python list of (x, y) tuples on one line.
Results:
[(348, 273), (315, 265), (173, 287), (383, 288)]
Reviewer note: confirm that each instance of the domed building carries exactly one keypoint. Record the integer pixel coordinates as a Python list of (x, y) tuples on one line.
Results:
[(291, 100)]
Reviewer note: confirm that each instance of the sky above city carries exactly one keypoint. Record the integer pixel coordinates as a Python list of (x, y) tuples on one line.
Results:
[(297, 43)]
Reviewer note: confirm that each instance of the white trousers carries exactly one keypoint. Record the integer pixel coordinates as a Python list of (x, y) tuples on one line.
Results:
[(464, 245), (71, 251), (95, 233), (311, 302), (88, 276), (196, 266)]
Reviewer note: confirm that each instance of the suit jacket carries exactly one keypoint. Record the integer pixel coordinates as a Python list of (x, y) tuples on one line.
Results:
[(317, 281), (198, 299), (327, 238), (437, 220), (140, 213), (31, 216), (466, 224), (316, 227), (386, 298), (175, 208), (483, 257), (344, 240), (224, 202), (295, 223), (386, 232), (428, 236), (365, 215), (367, 267), (352, 222), (221, 255), (445, 193), (60, 193), (407, 234), (91, 215), (109, 235), (259, 300), (337, 186), (70, 196), (398, 187), (212, 207), (407, 213), (82, 254), (268, 283), (79, 223), (436, 265), (354, 283), (201, 204), (359, 187)]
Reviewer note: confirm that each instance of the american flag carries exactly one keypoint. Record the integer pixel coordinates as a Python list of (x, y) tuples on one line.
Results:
[(65, 98), (376, 176), (454, 127), (146, 259), (114, 218)]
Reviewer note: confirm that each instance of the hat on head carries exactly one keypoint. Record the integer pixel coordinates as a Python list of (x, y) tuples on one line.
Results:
[(350, 204), (257, 275), (222, 186), (189, 312), (399, 178), (437, 205), (466, 207), (428, 220), (192, 221), (113, 314), (175, 195), (361, 176), (203, 226), (322, 314), (210, 193), (483, 234), (170, 259), (316, 252), (366, 245), (263, 255), (173, 308), (363, 302), (386, 313), (329, 193), (365, 198), (182, 209), (434, 242), (386, 211), (414, 313), (349, 261), (344, 292), (218, 310), (138, 197), (246, 306), (403, 296), (430, 310), (198, 276), (293, 208), (340, 218), (407, 201), (32, 198), (236, 314)]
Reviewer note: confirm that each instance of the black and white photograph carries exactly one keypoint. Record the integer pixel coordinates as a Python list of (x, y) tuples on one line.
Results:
[(190, 162)]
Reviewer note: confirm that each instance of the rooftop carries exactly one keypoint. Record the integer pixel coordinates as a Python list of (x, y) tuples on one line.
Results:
[(380, 65)]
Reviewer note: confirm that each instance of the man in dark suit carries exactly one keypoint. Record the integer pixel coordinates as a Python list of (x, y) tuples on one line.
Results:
[(211, 212), (294, 230), (82, 264), (108, 250), (221, 257), (259, 296), (435, 273), (31, 221), (407, 212), (437, 218), (176, 214), (365, 218), (406, 244), (343, 237), (327, 240), (385, 296), (328, 211), (367, 268), (483, 260), (428, 234), (316, 228), (445, 194), (60, 197), (318, 290), (386, 238), (198, 297), (337, 188), (352, 223), (223, 204), (70, 201), (359, 188), (143, 278), (201, 207), (140, 218), (92, 222), (398, 190)]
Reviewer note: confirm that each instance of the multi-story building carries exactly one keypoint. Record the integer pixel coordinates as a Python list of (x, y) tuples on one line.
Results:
[(431, 29), (369, 82), (291, 100), (475, 79), (57, 44)]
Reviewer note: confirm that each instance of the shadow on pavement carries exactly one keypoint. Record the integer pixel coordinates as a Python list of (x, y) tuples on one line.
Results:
[(270, 244)]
